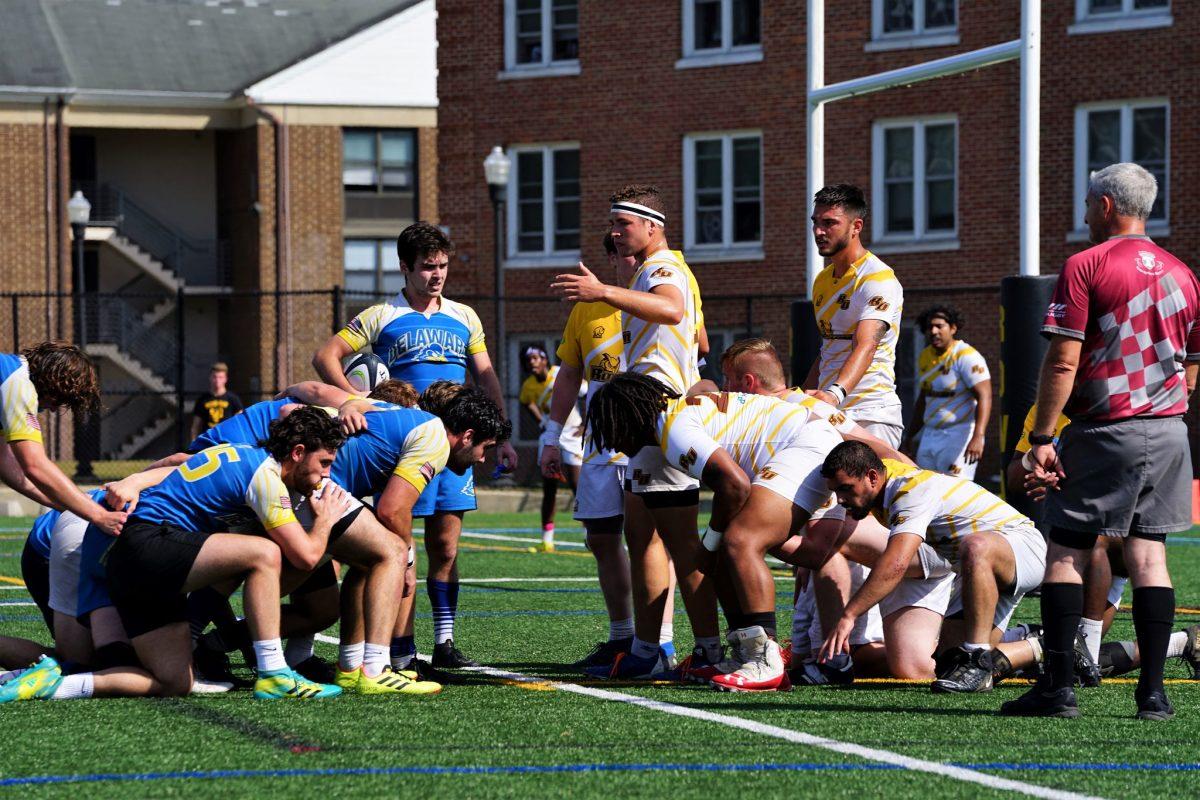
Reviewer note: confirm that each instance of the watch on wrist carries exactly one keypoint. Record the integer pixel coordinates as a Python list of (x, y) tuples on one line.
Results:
[(1041, 438)]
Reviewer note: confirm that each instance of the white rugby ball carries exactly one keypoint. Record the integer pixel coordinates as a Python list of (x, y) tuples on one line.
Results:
[(365, 371)]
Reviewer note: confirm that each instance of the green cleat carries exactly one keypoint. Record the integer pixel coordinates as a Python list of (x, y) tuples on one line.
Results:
[(285, 684), (36, 683)]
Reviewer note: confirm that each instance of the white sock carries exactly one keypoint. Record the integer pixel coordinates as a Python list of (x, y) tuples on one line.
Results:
[(74, 687), (548, 533), (620, 629), (350, 656), (971, 646), (1176, 643), (269, 655), (375, 658), (1036, 646), (712, 647), (666, 633), (1093, 631), (299, 649), (643, 649)]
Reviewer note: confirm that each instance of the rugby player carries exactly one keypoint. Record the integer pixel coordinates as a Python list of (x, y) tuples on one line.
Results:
[(424, 337), (996, 553), (536, 393), (660, 321)]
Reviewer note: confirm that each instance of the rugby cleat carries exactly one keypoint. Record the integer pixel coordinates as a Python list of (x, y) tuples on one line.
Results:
[(1087, 671), (604, 653), (1155, 707), (1191, 651), (699, 668), (317, 670), (1041, 701), (762, 664), (201, 686), (542, 547), (447, 656), (212, 665), (968, 671), (628, 667), (389, 682), (36, 683), (285, 684), (347, 679)]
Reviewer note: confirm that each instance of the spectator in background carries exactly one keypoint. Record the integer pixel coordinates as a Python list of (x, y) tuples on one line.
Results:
[(217, 404)]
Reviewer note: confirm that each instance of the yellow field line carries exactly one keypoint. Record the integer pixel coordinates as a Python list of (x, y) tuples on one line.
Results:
[(14, 581)]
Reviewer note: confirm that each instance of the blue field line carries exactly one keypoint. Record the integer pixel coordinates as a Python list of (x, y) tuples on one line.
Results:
[(34, 780), (20, 618)]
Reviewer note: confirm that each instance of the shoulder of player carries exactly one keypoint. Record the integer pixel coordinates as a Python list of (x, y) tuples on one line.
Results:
[(11, 365), (462, 311), (874, 272)]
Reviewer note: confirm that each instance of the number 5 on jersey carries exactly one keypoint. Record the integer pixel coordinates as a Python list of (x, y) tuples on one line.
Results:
[(212, 461)]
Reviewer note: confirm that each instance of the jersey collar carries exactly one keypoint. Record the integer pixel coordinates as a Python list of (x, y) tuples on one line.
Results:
[(400, 301)]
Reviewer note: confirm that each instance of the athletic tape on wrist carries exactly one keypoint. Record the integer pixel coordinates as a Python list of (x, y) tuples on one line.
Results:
[(711, 539), (1027, 461)]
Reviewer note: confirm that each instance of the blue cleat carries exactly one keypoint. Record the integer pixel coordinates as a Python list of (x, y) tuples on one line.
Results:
[(36, 683)]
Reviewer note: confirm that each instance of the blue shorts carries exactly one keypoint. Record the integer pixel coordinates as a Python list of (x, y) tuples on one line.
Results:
[(93, 578), (447, 492)]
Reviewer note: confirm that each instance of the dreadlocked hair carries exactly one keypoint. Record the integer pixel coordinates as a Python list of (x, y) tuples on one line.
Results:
[(308, 426), (398, 393), (626, 409), (63, 375)]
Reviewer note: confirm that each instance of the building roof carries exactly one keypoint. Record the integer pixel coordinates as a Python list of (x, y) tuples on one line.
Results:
[(205, 48)]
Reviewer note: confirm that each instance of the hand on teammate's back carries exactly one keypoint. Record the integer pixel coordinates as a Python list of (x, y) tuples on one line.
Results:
[(111, 522), (121, 495), (824, 396), (582, 288), (352, 421)]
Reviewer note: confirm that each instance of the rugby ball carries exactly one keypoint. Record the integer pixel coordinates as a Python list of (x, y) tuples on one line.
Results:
[(364, 371)]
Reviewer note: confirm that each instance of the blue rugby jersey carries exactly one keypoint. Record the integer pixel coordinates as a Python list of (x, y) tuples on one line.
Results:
[(43, 526), (249, 427), (18, 401), (407, 442)]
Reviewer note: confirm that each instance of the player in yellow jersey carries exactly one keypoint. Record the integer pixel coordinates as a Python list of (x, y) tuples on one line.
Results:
[(661, 320), (535, 396), (857, 301), (955, 400), (996, 553)]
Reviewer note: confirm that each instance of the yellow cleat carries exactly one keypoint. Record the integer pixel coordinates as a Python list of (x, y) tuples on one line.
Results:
[(36, 683), (348, 680), (544, 547), (390, 682)]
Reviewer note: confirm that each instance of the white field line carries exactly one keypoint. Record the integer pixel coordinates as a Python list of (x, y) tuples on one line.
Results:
[(11, 603), (526, 539), (799, 737)]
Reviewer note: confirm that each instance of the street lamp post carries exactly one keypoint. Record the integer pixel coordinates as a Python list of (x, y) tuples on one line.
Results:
[(79, 211), (496, 168)]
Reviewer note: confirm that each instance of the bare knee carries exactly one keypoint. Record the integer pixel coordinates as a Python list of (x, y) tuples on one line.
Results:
[(910, 666), (740, 542), (973, 550), (178, 683)]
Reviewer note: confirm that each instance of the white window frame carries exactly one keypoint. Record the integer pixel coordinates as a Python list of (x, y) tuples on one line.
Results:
[(724, 55), (516, 343), (727, 250), (548, 257), (1154, 227), (919, 36), (921, 239), (1127, 18), (548, 66)]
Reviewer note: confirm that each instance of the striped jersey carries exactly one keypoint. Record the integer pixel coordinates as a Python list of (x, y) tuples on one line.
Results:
[(417, 347), (217, 489), (667, 352), (819, 408), (19, 415), (947, 380), (592, 343), (868, 290), (750, 427), (539, 393), (941, 509)]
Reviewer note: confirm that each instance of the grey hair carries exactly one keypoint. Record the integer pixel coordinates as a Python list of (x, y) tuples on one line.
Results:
[(1131, 187)]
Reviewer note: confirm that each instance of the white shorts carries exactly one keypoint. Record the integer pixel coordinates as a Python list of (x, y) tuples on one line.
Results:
[(944, 449), (571, 450), (601, 491), (883, 422), (649, 472), (66, 549), (806, 622), (794, 471), (1116, 590)]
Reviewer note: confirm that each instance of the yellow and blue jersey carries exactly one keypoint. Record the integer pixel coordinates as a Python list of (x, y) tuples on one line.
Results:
[(43, 526), (407, 442), (18, 401), (249, 427), (418, 348), (218, 488)]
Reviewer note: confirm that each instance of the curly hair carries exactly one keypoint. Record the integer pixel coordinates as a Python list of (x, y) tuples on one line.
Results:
[(626, 409), (949, 313), (642, 194), (418, 241), (398, 393), (308, 426), (63, 375), (845, 196), (466, 408)]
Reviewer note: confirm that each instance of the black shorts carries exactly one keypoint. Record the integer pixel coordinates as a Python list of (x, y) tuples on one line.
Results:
[(321, 578), (35, 571), (147, 568)]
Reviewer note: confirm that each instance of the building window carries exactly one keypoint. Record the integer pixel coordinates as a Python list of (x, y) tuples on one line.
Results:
[(379, 161), (915, 180), (723, 199), (541, 34), (543, 205), (1103, 16), (371, 267), (1137, 131), (721, 26), (914, 23)]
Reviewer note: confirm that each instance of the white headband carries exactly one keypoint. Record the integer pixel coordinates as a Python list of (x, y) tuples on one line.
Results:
[(638, 210)]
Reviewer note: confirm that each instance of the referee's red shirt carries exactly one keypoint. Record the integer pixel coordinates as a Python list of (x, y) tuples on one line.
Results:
[(1136, 308)]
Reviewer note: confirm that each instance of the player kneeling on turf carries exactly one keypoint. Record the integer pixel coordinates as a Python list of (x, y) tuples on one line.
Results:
[(996, 553)]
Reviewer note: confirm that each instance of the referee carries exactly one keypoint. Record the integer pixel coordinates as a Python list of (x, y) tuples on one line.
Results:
[(1124, 347)]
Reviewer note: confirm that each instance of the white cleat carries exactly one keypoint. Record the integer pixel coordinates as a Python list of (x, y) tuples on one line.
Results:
[(762, 667)]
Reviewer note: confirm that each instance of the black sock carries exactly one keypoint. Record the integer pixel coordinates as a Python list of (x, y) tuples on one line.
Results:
[(766, 619), (206, 605), (1062, 606), (1153, 616), (1114, 660)]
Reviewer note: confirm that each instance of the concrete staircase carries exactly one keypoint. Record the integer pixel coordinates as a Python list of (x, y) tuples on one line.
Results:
[(156, 428), (140, 258)]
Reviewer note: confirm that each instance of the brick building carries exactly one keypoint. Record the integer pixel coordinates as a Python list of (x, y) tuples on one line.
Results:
[(705, 99), (229, 148)]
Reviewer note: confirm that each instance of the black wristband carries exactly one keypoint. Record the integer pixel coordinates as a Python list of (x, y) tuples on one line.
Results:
[(1041, 438)]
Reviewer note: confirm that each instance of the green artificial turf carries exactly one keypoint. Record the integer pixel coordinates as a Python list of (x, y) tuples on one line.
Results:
[(487, 737)]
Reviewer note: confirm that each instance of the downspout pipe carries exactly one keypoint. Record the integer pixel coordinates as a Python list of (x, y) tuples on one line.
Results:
[(282, 370)]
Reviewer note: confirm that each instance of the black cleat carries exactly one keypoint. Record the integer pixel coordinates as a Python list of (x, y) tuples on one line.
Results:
[(1087, 671), (1191, 651), (604, 653), (1041, 702), (1155, 707), (317, 670), (213, 665), (968, 671), (447, 656)]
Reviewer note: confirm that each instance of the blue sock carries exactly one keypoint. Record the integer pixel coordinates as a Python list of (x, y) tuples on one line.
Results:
[(668, 649), (443, 596), (404, 650)]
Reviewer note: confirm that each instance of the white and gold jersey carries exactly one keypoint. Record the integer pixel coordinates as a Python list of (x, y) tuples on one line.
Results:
[(947, 381), (750, 427), (942, 509), (540, 392), (868, 290), (592, 344), (667, 352), (819, 408)]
